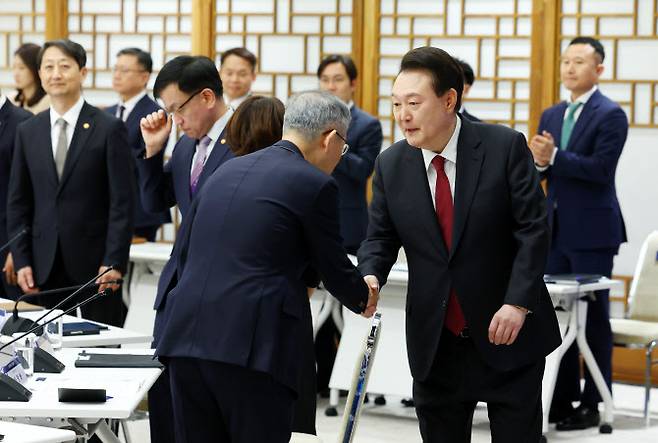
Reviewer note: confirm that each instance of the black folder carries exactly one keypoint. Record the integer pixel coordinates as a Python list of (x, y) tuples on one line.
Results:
[(82, 328), (88, 360)]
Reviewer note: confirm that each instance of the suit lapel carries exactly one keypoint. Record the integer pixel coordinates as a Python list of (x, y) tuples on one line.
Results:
[(421, 201), (219, 154), (4, 115), (83, 129), (43, 146), (184, 167), (584, 118), (469, 163), (137, 113)]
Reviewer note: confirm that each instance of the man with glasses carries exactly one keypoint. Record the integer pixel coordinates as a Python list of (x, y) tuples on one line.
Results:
[(191, 90), (261, 221), (130, 77)]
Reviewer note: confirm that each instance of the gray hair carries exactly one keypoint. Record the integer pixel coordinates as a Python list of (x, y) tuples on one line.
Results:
[(310, 113)]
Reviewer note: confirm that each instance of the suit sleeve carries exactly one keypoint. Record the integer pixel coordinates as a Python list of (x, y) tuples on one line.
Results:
[(599, 166), (379, 250), (156, 183), (329, 257), (20, 205), (122, 197), (530, 228), (359, 161)]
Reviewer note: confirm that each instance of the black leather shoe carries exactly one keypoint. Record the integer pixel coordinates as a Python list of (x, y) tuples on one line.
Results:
[(583, 417), (559, 413)]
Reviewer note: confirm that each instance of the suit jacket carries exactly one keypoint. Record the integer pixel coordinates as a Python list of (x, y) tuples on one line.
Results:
[(88, 214), (470, 116), (143, 107), (499, 244), (10, 117), (581, 181), (364, 136), (165, 186), (258, 224)]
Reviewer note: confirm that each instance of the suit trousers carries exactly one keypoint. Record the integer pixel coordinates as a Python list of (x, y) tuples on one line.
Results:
[(597, 331), (459, 379), (105, 309), (223, 403), (161, 412)]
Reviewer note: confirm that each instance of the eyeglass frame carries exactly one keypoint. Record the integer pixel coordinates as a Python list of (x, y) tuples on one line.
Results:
[(346, 146), (177, 110), (123, 71)]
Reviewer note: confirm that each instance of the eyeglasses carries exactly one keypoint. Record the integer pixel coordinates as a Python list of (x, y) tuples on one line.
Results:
[(122, 70), (178, 110), (346, 147)]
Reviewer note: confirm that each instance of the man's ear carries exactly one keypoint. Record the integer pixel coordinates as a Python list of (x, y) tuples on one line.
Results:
[(451, 100)]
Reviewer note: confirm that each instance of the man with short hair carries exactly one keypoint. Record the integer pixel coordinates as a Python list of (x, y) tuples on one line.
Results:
[(464, 201), (10, 117), (577, 148), (239, 313), (469, 79), (238, 72), (191, 91), (72, 187), (129, 79)]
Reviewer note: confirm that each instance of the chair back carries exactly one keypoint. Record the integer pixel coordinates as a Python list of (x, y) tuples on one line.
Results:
[(643, 296)]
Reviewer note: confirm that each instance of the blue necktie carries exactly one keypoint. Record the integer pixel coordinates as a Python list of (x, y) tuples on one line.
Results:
[(568, 124)]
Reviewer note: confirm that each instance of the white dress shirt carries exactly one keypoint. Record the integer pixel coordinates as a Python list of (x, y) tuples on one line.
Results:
[(236, 101), (3, 99), (71, 117), (449, 153), (129, 105), (214, 134)]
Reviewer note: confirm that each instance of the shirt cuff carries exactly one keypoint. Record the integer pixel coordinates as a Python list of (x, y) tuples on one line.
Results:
[(550, 163)]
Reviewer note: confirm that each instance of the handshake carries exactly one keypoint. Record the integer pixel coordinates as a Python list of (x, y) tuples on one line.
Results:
[(373, 295)]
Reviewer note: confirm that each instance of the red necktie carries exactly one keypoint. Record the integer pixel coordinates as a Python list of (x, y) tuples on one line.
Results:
[(454, 319)]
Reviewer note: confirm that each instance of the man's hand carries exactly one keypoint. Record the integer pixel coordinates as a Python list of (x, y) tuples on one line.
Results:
[(26, 280), (373, 295), (155, 130), (10, 273), (506, 324), (542, 147), (112, 275)]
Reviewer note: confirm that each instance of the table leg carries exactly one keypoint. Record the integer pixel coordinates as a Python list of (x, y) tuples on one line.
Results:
[(103, 431), (325, 312), (581, 312)]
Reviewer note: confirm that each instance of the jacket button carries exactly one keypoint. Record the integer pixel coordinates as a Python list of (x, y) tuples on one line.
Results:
[(444, 304)]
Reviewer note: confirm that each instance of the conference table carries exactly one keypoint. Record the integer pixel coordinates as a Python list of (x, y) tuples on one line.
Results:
[(390, 371), (22, 433), (125, 388)]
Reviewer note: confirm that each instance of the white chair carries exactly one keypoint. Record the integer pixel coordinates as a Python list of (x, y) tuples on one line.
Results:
[(304, 438), (640, 327)]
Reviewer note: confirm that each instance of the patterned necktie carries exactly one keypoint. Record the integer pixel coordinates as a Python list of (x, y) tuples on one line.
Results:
[(201, 152), (454, 318), (62, 147), (568, 123)]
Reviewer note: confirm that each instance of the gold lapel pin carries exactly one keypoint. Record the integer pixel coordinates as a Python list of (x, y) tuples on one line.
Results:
[(223, 141), (85, 125)]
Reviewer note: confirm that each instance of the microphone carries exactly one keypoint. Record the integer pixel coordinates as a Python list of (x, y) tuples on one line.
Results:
[(19, 324), (10, 389), (13, 239)]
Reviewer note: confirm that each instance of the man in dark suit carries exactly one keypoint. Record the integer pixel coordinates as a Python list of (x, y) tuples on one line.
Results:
[(10, 117), (479, 317), (469, 79), (577, 150), (337, 74), (71, 186), (191, 91), (238, 315), (130, 76)]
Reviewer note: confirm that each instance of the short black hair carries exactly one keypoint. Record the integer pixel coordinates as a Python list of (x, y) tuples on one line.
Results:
[(469, 76), (594, 43), (68, 47), (243, 53), (143, 58), (344, 60), (190, 74), (445, 72)]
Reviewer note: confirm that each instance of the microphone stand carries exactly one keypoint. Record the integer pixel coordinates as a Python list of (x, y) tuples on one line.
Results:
[(13, 239)]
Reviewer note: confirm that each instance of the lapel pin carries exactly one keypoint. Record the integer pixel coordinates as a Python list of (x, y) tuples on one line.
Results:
[(85, 125), (223, 141)]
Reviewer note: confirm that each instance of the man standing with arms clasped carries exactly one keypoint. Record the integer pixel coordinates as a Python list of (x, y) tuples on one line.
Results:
[(577, 148), (465, 203)]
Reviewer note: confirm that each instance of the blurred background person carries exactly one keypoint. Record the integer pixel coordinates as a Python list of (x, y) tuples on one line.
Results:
[(469, 79), (238, 72), (130, 76), (30, 94), (10, 117)]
